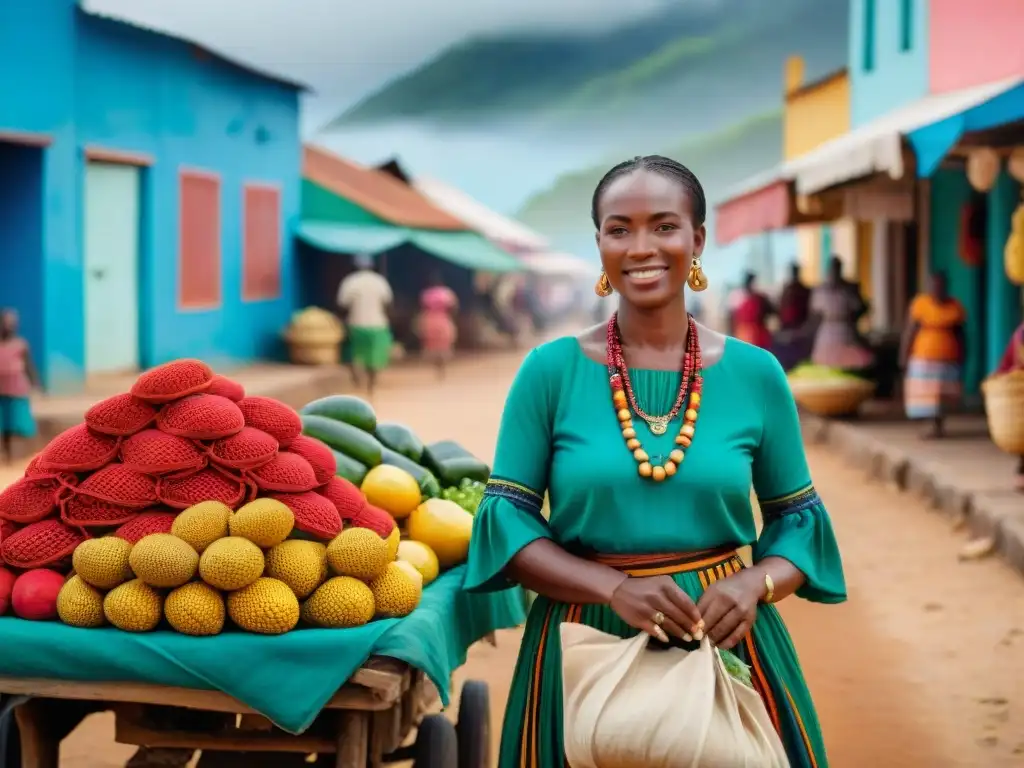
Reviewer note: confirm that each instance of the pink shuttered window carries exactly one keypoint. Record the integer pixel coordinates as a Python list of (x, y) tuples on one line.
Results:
[(261, 243), (199, 257)]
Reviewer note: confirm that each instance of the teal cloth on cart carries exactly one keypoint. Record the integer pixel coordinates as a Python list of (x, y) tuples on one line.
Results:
[(288, 678)]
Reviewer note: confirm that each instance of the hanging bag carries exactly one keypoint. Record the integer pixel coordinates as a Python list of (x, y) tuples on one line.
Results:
[(625, 704)]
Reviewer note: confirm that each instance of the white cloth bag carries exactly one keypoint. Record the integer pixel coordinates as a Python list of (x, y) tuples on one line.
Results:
[(627, 706)]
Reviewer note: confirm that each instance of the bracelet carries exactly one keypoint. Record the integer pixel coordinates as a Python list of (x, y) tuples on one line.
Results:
[(769, 589)]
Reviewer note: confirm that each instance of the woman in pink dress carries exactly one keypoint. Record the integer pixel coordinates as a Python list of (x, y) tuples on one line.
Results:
[(750, 318), (436, 326), (17, 377)]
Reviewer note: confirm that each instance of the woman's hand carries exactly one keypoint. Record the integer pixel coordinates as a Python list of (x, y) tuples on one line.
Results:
[(640, 601), (729, 607)]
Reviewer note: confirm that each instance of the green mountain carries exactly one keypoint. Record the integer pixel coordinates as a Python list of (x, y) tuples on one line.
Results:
[(720, 160), (691, 61)]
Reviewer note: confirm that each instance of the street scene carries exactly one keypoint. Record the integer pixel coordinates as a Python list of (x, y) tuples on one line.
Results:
[(919, 668), (448, 407)]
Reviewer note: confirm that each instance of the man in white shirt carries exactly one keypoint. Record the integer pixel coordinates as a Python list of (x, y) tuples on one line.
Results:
[(365, 297)]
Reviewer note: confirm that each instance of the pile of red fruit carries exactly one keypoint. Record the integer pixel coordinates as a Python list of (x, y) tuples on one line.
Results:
[(183, 435)]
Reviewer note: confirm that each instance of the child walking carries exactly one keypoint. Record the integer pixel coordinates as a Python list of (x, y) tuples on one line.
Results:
[(17, 378)]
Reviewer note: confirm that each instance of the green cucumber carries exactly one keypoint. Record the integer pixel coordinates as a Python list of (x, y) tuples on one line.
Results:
[(451, 463), (429, 486), (349, 468), (345, 438), (345, 408), (399, 438)]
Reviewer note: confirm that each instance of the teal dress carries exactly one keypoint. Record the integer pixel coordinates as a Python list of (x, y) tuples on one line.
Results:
[(559, 434)]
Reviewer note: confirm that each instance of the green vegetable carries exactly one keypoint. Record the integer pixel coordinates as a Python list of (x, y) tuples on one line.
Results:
[(736, 668), (345, 408), (343, 437), (401, 439), (468, 494), (813, 372), (429, 486), (452, 463), (349, 468)]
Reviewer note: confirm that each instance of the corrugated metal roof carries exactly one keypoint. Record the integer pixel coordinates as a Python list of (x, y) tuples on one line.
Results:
[(377, 191), (497, 227), (103, 10)]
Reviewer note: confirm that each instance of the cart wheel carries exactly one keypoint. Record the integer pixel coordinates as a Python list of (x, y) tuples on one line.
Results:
[(474, 726), (436, 746)]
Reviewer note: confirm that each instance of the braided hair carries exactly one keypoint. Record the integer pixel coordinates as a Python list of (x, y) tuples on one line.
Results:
[(663, 166)]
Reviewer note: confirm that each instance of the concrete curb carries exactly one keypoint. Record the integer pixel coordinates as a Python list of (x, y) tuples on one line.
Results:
[(999, 514)]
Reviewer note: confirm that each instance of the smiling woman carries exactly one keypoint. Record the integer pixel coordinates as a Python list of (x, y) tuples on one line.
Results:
[(647, 433)]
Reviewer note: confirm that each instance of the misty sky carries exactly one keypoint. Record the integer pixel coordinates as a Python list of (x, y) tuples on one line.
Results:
[(344, 48)]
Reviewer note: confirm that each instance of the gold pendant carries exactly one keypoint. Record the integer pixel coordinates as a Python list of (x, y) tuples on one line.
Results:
[(658, 427)]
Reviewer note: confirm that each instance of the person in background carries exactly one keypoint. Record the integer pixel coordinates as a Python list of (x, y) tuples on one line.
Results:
[(1013, 360), (17, 379), (795, 302), (436, 325), (837, 307), (932, 355), (365, 298), (793, 341), (750, 318)]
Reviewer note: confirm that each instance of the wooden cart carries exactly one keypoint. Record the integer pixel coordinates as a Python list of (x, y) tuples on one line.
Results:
[(365, 724)]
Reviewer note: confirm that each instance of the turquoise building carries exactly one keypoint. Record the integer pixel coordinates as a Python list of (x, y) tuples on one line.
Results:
[(149, 193)]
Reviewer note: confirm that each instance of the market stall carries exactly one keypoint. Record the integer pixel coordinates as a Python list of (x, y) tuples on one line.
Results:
[(189, 548)]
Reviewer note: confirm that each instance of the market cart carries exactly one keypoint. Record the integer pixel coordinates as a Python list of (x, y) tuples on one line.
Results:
[(249, 700), (364, 724)]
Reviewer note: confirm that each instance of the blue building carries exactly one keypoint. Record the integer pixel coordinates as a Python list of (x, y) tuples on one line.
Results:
[(149, 194), (888, 56)]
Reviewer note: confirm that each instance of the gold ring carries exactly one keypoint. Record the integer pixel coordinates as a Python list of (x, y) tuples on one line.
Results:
[(658, 619)]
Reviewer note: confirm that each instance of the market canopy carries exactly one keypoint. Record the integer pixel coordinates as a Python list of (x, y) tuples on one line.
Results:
[(932, 125), (932, 142), (464, 249)]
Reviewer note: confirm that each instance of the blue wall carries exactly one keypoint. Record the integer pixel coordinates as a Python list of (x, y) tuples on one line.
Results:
[(888, 76), (78, 80), (152, 94), (37, 80)]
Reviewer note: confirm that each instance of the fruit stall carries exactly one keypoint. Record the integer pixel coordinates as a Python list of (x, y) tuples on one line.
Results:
[(229, 575)]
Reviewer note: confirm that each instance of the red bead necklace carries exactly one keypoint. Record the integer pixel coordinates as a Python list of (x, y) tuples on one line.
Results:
[(624, 400)]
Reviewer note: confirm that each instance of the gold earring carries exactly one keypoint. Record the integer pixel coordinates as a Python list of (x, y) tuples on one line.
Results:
[(603, 287), (697, 280)]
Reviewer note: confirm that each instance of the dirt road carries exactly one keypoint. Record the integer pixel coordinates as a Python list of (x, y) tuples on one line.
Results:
[(921, 668)]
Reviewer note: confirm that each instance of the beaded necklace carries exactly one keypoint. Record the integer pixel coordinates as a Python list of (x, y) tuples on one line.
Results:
[(624, 400)]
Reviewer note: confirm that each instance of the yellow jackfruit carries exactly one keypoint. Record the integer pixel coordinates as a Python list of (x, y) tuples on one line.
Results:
[(358, 552), (264, 522), (231, 563), (164, 561), (103, 562), (302, 565), (267, 606), (79, 604), (202, 524), (133, 607), (397, 592), (195, 609), (393, 540), (339, 603)]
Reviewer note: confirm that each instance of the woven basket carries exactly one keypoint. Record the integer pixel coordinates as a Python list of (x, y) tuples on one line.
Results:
[(1004, 406), (832, 399), (313, 348)]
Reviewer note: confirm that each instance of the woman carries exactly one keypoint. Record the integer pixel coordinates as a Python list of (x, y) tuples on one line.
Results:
[(17, 378), (1013, 360), (792, 344), (436, 325), (932, 355), (750, 318), (637, 539), (838, 307)]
